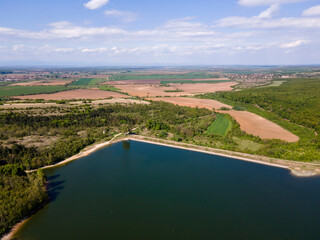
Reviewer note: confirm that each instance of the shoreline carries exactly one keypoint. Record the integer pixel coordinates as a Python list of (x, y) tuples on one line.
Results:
[(296, 169)]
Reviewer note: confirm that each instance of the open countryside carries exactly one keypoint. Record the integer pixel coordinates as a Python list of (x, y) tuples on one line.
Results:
[(184, 120)]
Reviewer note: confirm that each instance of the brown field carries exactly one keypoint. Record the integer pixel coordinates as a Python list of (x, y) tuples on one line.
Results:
[(156, 90), (158, 81), (259, 126), (149, 90), (75, 94), (44, 83), (193, 102), (204, 87)]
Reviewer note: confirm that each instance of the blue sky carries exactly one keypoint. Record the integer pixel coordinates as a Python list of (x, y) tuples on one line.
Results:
[(167, 32)]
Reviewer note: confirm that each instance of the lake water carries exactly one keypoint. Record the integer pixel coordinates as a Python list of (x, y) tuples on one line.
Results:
[(132, 190)]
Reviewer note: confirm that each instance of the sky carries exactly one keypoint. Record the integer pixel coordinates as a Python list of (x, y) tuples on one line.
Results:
[(157, 33)]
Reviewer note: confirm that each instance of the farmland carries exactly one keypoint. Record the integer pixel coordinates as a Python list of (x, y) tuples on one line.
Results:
[(191, 75), (193, 81), (10, 91), (88, 81), (220, 126), (43, 83), (75, 94)]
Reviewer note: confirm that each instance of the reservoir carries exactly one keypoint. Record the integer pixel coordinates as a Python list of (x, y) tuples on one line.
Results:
[(133, 190)]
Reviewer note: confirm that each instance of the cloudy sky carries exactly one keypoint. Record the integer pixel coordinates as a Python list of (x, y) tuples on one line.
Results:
[(154, 32)]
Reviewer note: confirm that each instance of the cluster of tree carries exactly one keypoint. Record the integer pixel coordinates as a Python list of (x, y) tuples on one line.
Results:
[(19, 197)]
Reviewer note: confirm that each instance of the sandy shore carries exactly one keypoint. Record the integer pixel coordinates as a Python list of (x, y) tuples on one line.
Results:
[(298, 169)]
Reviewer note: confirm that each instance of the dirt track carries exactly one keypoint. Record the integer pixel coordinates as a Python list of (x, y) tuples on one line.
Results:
[(75, 94)]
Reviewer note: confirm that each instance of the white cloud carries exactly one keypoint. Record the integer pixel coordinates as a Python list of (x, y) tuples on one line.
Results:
[(64, 50), (83, 32), (294, 44), (185, 23), (260, 23), (274, 8), (251, 3), (94, 50), (60, 24), (313, 11), (123, 15), (95, 4), (17, 47)]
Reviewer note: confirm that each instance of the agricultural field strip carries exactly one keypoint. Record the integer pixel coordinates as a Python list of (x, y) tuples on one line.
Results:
[(220, 126), (88, 81), (10, 91)]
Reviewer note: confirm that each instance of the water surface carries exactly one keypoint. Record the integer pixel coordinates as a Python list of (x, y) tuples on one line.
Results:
[(134, 190)]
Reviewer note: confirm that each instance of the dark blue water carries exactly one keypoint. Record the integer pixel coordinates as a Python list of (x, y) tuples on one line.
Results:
[(135, 190)]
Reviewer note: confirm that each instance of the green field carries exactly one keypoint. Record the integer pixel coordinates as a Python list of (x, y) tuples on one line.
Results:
[(195, 75), (274, 84), (9, 91), (82, 81), (220, 126), (88, 81)]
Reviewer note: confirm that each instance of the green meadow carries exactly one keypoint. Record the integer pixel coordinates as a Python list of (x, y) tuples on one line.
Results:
[(220, 126)]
